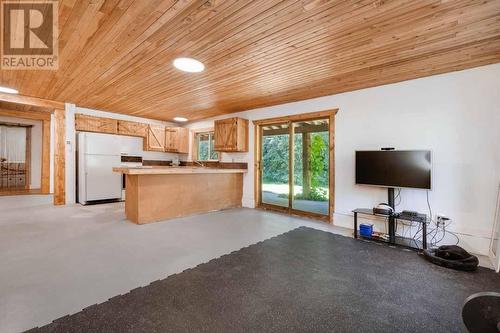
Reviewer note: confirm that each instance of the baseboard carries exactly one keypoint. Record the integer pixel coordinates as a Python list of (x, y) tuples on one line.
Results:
[(248, 202)]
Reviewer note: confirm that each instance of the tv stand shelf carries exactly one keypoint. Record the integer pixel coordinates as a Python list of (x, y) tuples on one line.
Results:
[(393, 239)]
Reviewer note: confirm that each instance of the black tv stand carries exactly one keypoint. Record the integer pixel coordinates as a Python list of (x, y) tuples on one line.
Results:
[(409, 243), (392, 222)]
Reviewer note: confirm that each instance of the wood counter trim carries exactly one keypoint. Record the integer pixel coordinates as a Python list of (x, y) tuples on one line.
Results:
[(174, 171)]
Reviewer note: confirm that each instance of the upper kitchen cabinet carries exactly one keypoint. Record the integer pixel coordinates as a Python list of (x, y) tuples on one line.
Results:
[(231, 135), (155, 138), (87, 123), (132, 128), (177, 140)]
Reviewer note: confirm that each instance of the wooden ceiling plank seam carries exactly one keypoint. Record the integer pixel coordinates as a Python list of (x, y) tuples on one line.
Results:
[(106, 23), (127, 68), (499, 55), (106, 19), (314, 87), (116, 27), (31, 75), (67, 26), (83, 27), (279, 52), (134, 49), (109, 83)]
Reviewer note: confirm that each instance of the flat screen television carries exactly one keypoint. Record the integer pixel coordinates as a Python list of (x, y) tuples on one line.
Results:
[(394, 168)]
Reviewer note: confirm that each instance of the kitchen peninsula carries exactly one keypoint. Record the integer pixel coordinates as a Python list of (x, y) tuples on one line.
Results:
[(161, 193)]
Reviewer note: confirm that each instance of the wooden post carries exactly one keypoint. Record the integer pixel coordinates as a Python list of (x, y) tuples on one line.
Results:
[(27, 164), (291, 153), (331, 125), (59, 157), (306, 165), (45, 181)]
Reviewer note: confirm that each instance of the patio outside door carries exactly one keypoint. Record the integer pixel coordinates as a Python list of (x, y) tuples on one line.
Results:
[(295, 166)]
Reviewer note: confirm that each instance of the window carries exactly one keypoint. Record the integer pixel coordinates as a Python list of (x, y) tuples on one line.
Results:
[(205, 147)]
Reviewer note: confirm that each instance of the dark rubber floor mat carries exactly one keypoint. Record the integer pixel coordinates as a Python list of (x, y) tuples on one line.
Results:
[(302, 281)]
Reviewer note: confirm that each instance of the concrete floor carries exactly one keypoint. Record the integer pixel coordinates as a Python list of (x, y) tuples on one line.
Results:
[(56, 261)]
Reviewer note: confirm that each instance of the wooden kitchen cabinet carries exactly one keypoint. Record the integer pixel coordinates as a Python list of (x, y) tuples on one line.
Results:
[(155, 138), (132, 128), (87, 123), (177, 140), (231, 135)]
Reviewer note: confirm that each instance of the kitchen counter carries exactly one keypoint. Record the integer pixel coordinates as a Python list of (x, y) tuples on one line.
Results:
[(162, 193), (165, 170)]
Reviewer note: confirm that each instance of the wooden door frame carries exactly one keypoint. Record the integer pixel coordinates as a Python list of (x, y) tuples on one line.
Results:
[(57, 109), (258, 124)]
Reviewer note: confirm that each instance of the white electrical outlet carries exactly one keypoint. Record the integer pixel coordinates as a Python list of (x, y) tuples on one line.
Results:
[(441, 220)]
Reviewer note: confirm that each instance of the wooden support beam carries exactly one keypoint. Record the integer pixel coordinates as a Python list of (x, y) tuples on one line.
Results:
[(331, 208), (31, 101), (27, 164), (299, 117), (45, 182), (33, 115), (306, 167), (59, 157)]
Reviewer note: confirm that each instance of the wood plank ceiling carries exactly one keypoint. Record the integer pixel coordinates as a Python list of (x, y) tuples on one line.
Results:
[(116, 55)]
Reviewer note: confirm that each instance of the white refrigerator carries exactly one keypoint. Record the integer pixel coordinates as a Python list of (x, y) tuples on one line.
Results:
[(97, 155)]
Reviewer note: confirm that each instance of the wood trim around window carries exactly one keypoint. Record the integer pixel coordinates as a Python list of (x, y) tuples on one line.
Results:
[(194, 149), (328, 114), (297, 117)]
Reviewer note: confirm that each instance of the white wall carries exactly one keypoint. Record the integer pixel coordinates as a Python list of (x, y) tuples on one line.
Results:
[(71, 109), (456, 115), (36, 148)]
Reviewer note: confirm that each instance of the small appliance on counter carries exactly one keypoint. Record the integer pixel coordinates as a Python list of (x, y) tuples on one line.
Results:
[(175, 161)]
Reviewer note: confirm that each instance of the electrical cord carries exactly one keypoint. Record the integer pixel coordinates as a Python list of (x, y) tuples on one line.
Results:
[(429, 205), (397, 196)]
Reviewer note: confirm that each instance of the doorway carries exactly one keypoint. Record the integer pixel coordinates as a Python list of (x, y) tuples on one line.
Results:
[(295, 171), (15, 158)]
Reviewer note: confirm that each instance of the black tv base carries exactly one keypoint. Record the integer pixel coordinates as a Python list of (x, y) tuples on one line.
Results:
[(409, 243)]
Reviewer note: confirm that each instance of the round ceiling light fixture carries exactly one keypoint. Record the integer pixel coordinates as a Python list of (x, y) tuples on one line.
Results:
[(8, 90), (180, 119), (189, 65)]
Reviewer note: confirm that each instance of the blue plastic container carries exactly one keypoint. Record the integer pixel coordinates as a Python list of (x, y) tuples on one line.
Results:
[(366, 230)]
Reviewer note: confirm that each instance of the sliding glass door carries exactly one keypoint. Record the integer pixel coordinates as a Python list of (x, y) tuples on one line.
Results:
[(275, 180), (294, 166), (311, 167)]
